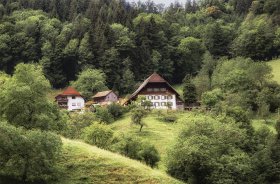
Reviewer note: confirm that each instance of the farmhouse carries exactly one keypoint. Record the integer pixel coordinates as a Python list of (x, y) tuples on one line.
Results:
[(159, 92), (70, 99), (105, 97)]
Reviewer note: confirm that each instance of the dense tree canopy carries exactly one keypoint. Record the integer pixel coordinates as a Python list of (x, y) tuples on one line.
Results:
[(28, 156), (24, 102), (129, 41)]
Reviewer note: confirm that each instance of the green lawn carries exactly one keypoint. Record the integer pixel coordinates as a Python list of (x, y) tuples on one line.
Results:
[(85, 164), (275, 64)]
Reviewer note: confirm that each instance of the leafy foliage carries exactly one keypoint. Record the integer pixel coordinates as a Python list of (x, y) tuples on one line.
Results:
[(76, 122), (135, 148), (99, 135), (89, 82), (212, 151), (71, 36), (137, 116), (28, 156), (103, 115), (189, 91), (24, 102)]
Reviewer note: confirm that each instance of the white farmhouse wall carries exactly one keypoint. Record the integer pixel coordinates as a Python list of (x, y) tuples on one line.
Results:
[(75, 104), (159, 101)]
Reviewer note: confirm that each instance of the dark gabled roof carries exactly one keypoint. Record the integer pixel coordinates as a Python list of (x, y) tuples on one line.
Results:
[(102, 94), (154, 78), (70, 91)]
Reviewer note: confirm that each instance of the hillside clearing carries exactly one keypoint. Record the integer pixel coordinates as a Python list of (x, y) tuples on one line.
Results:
[(158, 133), (82, 163), (275, 64)]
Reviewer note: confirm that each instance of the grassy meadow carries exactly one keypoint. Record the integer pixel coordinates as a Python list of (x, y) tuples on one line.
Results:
[(83, 163), (159, 133)]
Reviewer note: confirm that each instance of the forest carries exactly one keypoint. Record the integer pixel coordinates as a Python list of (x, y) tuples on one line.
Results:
[(220, 54), (133, 39)]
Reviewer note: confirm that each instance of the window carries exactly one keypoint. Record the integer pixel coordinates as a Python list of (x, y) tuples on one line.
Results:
[(156, 104), (73, 97), (162, 89), (150, 97), (163, 97), (163, 103), (73, 104), (157, 97), (170, 104), (150, 89), (169, 97), (156, 89)]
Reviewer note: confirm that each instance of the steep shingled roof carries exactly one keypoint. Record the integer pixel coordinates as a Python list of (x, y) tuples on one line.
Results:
[(102, 94), (154, 78)]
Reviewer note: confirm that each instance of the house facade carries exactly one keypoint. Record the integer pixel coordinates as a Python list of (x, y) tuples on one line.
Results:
[(105, 97), (159, 92), (70, 99)]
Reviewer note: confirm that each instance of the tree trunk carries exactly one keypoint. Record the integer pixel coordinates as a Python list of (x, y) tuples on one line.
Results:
[(141, 126)]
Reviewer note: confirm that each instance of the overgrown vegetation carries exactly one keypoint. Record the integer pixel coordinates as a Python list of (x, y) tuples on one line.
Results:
[(128, 41), (216, 49)]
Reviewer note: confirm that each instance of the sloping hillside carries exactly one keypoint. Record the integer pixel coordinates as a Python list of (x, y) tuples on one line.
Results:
[(275, 64), (158, 133), (82, 163)]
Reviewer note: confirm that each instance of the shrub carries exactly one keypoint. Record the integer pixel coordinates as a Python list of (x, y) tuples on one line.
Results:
[(104, 115), (129, 146), (169, 118), (149, 154), (211, 98), (100, 135), (134, 148), (77, 122), (28, 156), (208, 151), (116, 110)]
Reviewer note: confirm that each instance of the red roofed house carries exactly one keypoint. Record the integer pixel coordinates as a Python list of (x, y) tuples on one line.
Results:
[(70, 99), (159, 92), (105, 97)]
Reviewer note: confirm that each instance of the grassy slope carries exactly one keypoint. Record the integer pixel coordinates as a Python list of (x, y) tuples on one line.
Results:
[(82, 163), (156, 132), (163, 134), (275, 64)]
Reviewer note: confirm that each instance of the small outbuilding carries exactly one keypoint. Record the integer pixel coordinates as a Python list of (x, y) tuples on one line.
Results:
[(70, 99), (105, 97)]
